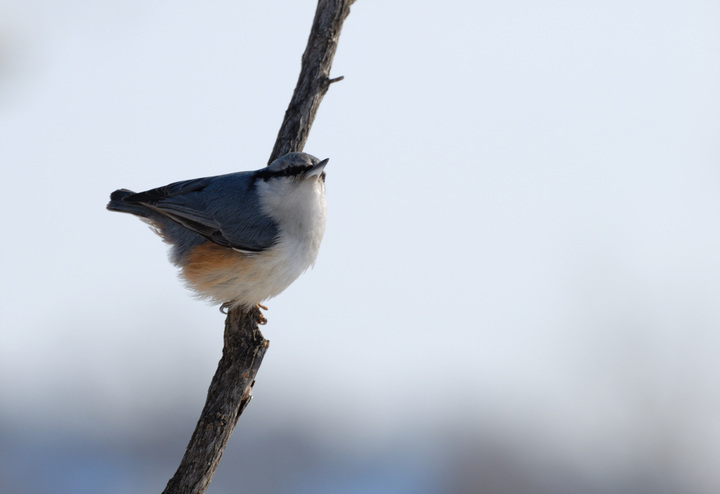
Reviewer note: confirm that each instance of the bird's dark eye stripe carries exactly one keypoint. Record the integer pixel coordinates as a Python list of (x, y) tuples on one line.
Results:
[(290, 171)]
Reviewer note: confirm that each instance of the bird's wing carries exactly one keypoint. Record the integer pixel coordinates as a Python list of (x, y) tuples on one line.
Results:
[(224, 215)]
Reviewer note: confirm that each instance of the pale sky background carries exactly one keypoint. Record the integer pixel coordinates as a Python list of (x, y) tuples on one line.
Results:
[(523, 228)]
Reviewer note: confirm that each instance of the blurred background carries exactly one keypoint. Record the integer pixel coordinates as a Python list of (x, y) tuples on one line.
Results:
[(518, 291)]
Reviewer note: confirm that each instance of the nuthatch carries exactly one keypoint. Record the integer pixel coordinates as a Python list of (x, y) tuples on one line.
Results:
[(243, 237)]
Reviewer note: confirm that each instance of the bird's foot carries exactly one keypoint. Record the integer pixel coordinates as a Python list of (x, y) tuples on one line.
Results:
[(261, 318)]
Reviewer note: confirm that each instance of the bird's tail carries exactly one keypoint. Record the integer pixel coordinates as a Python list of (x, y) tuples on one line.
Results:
[(118, 203)]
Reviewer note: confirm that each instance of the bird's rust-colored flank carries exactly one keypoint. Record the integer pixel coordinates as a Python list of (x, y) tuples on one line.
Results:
[(209, 265)]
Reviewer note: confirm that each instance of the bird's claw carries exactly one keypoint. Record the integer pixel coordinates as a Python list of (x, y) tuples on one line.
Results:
[(261, 318)]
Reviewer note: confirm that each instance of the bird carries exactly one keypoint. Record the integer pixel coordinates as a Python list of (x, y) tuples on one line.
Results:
[(239, 238)]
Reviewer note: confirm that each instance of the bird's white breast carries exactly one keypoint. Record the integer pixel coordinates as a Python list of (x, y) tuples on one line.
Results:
[(298, 207), (300, 210)]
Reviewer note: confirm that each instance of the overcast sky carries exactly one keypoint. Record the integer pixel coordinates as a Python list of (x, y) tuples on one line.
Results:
[(523, 217)]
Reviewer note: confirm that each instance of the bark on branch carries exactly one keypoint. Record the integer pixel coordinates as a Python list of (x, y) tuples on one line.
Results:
[(244, 345), (229, 394)]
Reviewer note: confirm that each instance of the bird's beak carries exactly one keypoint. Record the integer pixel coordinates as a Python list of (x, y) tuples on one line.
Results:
[(316, 170)]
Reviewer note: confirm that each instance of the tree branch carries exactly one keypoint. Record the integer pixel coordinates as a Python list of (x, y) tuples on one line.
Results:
[(314, 79), (244, 345), (229, 394)]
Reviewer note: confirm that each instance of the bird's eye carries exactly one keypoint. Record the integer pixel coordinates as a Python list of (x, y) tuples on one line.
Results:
[(290, 171)]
